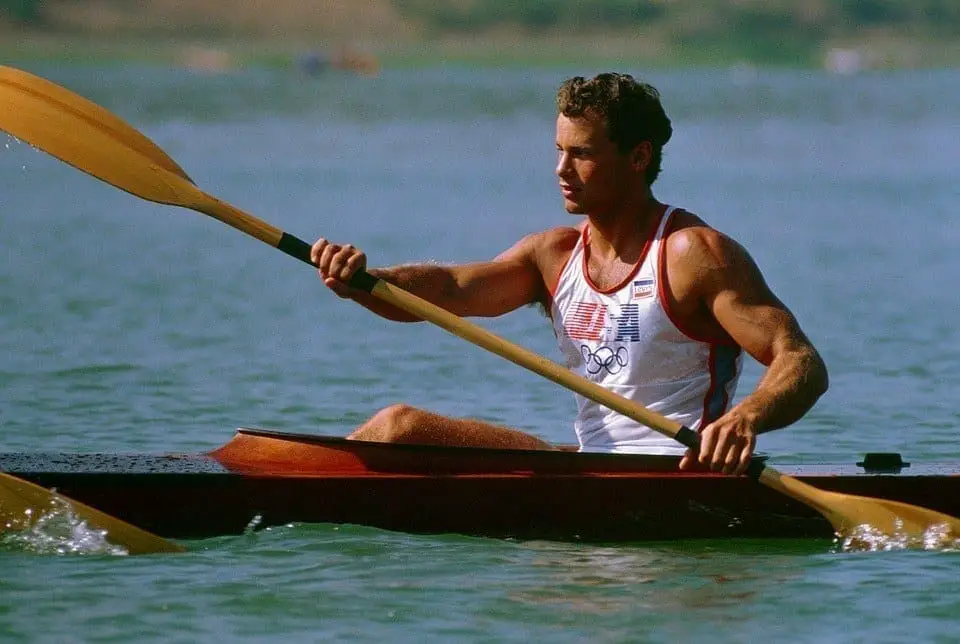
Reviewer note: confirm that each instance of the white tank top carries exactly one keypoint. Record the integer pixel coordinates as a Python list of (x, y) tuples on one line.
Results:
[(624, 339)]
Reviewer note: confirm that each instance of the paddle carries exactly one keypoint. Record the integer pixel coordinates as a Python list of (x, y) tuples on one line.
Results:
[(96, 142), (23, 502)]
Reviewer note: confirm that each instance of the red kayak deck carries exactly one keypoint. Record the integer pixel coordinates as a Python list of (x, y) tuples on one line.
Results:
[(279, 478)]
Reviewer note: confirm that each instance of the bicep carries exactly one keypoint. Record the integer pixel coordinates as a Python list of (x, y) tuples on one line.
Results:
[(509, 281), (489, 289), (749, 312), (763, 328)]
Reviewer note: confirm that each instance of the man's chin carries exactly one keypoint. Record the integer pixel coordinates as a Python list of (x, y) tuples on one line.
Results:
[(572, 208)]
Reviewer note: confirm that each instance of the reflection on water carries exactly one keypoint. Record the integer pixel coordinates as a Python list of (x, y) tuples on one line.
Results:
[(671, 578)]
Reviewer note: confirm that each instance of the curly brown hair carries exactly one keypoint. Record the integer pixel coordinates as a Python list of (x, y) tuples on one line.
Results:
[(630, 109)]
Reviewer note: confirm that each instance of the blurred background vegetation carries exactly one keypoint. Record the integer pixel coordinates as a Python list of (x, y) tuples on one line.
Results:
[(890, 32), (28, 11), (781, 15)]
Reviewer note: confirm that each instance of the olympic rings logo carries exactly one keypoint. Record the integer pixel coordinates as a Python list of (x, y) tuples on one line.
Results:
[(604, 359)]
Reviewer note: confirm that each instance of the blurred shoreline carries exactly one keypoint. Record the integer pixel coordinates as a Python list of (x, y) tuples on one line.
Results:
[(858, 35), (222, 53)]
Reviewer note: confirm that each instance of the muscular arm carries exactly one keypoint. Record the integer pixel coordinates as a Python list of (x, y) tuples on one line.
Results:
[(485, 289), (796, 375), (719, 279)]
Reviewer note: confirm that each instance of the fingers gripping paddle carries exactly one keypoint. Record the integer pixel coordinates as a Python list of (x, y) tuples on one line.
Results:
[(93, 140), (22, 503)]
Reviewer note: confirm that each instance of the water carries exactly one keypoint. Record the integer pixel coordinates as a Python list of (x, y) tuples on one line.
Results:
[(129, 326)]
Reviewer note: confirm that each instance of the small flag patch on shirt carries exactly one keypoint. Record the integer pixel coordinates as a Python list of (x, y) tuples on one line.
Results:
[(642, 289)]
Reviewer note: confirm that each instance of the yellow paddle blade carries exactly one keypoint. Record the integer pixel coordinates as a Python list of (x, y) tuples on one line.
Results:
[(90, 141), (22, 503), (90, 138), (852, 515), (26, 83), (892, 519)]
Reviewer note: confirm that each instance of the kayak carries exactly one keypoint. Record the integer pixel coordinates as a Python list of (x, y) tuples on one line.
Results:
[(543, 495), (263, 478)]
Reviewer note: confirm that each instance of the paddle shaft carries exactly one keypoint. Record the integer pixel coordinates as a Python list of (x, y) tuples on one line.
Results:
[(96, 141), (475, 334), (462, 328)]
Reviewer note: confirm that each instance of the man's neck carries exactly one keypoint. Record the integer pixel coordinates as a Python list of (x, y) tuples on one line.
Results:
[(623, 234)]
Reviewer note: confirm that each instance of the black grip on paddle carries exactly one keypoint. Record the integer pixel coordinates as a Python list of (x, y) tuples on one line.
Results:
[(295, 247), (299, 249), (364, 281), (688, 437), (691, 439), (755, 468)]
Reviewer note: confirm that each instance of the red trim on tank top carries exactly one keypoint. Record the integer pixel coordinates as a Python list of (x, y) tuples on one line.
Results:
[(663, 283), (712, 370), (705, 418), (551, 292), (633, 271)]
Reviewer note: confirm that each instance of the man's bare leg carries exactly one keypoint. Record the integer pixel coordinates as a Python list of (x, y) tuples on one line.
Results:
[(406, 424)]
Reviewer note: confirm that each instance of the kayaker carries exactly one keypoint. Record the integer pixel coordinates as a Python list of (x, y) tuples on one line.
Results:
[(645, 299)]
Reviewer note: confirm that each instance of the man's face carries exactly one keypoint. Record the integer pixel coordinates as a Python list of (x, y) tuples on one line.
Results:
[(593, 173)]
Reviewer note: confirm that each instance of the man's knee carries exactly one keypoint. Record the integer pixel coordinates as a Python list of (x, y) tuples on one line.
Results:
[(393, 424)]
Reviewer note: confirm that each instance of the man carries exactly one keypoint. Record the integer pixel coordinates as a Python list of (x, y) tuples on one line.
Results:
[(645, 299)]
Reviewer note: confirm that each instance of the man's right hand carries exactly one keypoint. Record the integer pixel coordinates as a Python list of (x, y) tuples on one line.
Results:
[(336, 264)]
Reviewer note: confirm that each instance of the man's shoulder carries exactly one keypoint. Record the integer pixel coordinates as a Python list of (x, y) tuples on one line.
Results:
[(549, 251), (543, 246), (564, 236), (553, 240), (690, 238)]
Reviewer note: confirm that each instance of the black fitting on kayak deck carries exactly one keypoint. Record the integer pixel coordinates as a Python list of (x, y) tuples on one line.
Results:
[(882, 462)]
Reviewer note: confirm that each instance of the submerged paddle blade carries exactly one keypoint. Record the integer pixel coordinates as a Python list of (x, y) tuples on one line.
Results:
[(22, 503), (853, 516), (856, 517)]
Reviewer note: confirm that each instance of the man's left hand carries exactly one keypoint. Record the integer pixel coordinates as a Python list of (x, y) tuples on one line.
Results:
[(726, 445)]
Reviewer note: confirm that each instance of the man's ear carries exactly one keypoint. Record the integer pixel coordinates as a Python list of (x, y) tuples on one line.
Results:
[(641, 156)]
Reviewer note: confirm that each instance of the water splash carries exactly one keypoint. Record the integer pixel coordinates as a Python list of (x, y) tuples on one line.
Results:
[(57, 531), (865, 538), (14, 140), (253, 524)]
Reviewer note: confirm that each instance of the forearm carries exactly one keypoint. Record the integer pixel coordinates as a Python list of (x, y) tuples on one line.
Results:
[(432, 282), (793, 382)]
